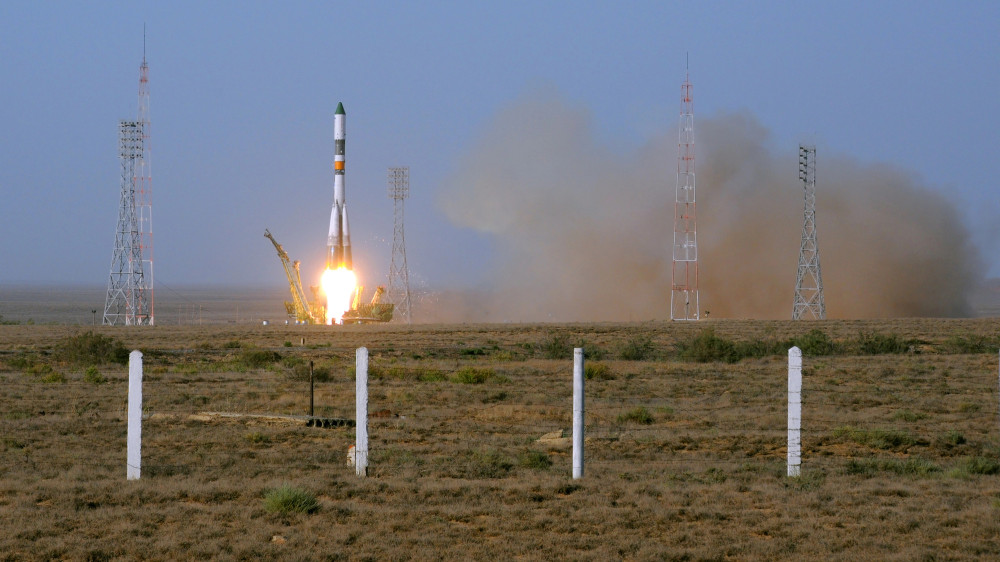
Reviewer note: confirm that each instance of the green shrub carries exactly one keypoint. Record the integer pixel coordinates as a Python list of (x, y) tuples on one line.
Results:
[(287, 343), (910, 466), (636, 349), (490, 464), (231, 344), (814, 343), (706, 347), (908, 416), (876, 438), (556, 346), (873, 343), (21, 361), (92, 375), (431, 375), (591, 351), (258, 358), (91, 348), (982, 465), (535, 460), (39, 369), (257, 438), (636, 415), (286, 500), (953, 438), (54, 377), (473, 375), (496, 397), (972, 343), (597, 371)]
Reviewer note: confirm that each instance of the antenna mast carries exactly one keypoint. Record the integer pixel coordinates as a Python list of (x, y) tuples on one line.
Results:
[(129, 299), (808, 280), (399, 276), (684, 303)]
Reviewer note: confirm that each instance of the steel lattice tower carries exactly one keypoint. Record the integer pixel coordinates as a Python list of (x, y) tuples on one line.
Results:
[(808, 281), (399, 276), (684, 303), (129, 298)]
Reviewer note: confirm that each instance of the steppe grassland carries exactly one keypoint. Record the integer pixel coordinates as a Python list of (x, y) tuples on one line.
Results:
[(685, 460)]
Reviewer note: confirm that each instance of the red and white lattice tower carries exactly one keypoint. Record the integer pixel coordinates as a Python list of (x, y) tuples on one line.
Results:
[(684, 272), (129, 299)]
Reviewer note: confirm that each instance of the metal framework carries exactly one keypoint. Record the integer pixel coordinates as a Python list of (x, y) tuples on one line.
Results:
[(129, 299), (809, 301), (684, 303), (399, 276)]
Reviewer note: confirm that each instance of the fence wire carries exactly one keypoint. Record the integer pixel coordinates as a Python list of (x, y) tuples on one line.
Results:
[(254, 422)]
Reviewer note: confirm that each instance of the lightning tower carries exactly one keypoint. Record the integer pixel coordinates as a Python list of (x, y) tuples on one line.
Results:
[(399, 277), (808, 281), (684, 271), (129, 298)]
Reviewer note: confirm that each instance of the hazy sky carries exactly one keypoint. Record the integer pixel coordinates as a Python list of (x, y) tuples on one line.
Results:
[(243, 96)]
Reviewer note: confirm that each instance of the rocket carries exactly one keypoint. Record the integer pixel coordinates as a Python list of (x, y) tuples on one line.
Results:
[(339, 240)]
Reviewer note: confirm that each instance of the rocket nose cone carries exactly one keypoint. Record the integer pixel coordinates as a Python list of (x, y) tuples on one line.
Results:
[(340, 109)]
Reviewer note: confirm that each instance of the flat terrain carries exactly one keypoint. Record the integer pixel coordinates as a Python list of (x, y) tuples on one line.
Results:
[(685, 455)]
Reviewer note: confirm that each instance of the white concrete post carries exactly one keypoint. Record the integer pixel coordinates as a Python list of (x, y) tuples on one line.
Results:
[(133, 455), (794, 411), (578, 413), (361, 412)]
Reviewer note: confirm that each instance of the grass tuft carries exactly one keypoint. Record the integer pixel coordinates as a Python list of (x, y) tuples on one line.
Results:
[(638, 415), (597, 371), (286, 500), (476, 375)]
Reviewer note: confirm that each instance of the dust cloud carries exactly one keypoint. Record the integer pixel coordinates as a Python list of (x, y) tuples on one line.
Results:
[(583, 232)]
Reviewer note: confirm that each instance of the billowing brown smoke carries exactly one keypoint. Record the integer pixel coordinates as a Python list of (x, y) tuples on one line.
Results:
[(584, 232)]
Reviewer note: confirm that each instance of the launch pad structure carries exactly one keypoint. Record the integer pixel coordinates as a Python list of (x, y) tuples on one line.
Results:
[(684, 303), (129, 300), (398, 180), (809, 301)]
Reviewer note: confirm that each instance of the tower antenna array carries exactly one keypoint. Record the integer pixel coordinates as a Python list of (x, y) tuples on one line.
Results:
[(809, 301), (399, 276), (129, 299), (684, 271)]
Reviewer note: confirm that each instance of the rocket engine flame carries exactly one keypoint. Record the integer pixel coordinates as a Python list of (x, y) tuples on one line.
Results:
[(339, 286)]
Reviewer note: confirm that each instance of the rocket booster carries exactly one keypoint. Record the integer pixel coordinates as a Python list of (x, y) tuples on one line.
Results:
[(339, 240)]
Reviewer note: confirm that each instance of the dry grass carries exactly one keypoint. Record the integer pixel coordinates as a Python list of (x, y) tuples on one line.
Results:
[(685, 460)]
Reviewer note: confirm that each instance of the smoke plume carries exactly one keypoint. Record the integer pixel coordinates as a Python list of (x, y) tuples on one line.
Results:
[(584, 232)]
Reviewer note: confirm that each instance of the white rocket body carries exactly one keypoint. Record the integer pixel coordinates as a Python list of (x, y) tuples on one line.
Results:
[(339, 240)]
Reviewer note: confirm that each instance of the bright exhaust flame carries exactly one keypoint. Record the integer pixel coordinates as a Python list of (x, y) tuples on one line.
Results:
[(339, 286)]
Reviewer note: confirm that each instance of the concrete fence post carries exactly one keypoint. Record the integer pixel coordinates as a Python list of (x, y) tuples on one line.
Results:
[(794, 411), (578, 413), (133, 455), (361, 413)]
